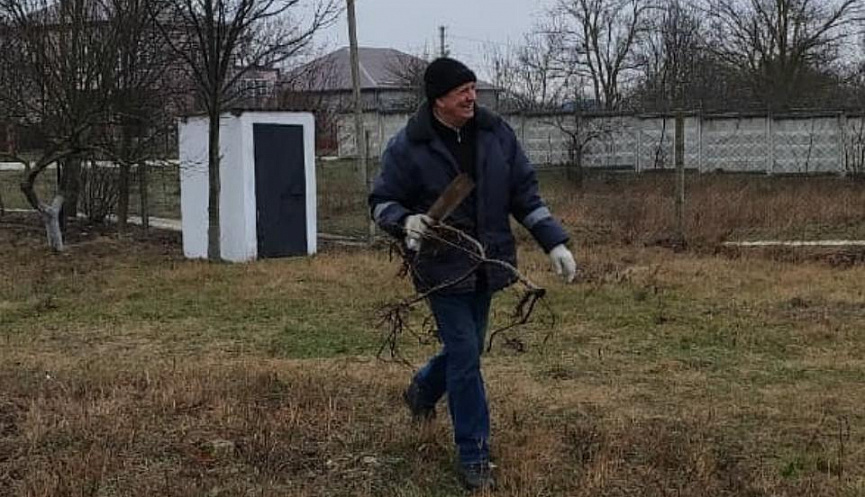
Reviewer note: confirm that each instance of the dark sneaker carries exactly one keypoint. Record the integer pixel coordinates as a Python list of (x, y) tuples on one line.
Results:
[(419, 411), (477, 476)]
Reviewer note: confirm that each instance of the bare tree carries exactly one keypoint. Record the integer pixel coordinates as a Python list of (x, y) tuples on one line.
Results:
[(406, 71), (304, 88), (53, 88), (546, 80), (598, 39), (672, 58), (538, 76), (143, 97), (781, 45), (531, 75), (581, 131), (219, 41)]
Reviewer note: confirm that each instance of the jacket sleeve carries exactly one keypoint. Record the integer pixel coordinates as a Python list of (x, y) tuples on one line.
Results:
[(526, 204), (390, 193)]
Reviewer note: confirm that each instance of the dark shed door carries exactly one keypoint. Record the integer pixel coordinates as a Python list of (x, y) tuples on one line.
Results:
[(280, 189)]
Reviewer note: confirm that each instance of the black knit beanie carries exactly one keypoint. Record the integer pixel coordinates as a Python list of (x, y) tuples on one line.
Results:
[(443, 75)]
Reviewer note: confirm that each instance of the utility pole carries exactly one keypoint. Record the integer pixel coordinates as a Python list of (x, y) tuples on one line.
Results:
[(359, 134), (443, 52)]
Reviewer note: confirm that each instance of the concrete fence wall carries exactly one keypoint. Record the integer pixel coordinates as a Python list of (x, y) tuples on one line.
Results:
[(817, 143)]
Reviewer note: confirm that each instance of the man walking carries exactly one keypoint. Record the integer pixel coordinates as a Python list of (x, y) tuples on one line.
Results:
[(450, 134)]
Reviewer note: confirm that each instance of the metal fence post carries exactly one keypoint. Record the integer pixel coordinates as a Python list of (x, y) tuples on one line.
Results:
[(611, 160), (380, 134), (638, 124), (522, 128), (368, 187), (700, 166), (842, 142), (770, 144), (679, 159)]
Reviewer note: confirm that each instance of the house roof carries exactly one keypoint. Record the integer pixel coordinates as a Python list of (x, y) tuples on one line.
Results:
[(380, 68)]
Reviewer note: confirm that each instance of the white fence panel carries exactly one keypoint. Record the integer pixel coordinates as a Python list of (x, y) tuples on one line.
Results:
[(782, 144), (735, 144), (806, 145), (854, 144)]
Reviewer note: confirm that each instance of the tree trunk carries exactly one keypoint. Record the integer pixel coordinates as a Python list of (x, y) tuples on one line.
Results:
[(51, 217), (574, 169), (50, 214), (578, 174), (123, 197), (569, 166), (123, 192), (578, 143), (71, 186), (213, 235), (60, 168), (144, 194)]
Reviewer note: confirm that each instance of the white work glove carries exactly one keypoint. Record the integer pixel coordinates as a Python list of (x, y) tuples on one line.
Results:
[(563, 262), (415, 226)]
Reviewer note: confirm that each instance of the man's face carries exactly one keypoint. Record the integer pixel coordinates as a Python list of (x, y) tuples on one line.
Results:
[(458, 105)]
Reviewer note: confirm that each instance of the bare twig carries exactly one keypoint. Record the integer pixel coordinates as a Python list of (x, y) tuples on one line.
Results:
[(394, 317)]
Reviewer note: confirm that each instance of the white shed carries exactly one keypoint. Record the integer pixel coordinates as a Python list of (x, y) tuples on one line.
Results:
[(267, 199)]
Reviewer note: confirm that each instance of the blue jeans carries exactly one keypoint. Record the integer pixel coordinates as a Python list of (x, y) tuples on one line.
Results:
[(462, 322)]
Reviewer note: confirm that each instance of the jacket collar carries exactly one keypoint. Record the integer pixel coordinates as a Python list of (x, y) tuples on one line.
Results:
[(420, 127)]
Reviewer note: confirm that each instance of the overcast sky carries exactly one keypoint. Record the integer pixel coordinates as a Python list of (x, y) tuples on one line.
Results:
[(412, 25)]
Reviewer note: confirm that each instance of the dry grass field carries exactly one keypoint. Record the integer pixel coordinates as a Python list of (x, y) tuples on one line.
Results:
[(126, 370), (625, 208)]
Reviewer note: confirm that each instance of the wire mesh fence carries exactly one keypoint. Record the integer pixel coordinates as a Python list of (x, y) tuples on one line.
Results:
[(342, 198)]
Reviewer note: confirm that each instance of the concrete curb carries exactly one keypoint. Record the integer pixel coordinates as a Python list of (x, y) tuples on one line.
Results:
[(797, 243)]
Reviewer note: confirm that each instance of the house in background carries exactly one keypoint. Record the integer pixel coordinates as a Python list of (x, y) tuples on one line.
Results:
[(257, 86), (391, 82)]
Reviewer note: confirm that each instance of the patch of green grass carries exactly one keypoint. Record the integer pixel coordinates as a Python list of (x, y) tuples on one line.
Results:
[(197, 303), (10, 189), (163, 193)]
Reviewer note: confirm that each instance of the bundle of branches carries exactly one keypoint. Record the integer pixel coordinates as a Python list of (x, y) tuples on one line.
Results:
[(394, 318)]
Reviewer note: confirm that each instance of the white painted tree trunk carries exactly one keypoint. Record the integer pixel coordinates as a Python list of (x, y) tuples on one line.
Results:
[(51, 218)]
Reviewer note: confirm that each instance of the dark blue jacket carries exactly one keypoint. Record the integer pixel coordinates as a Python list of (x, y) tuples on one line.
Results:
[(416, 167)]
